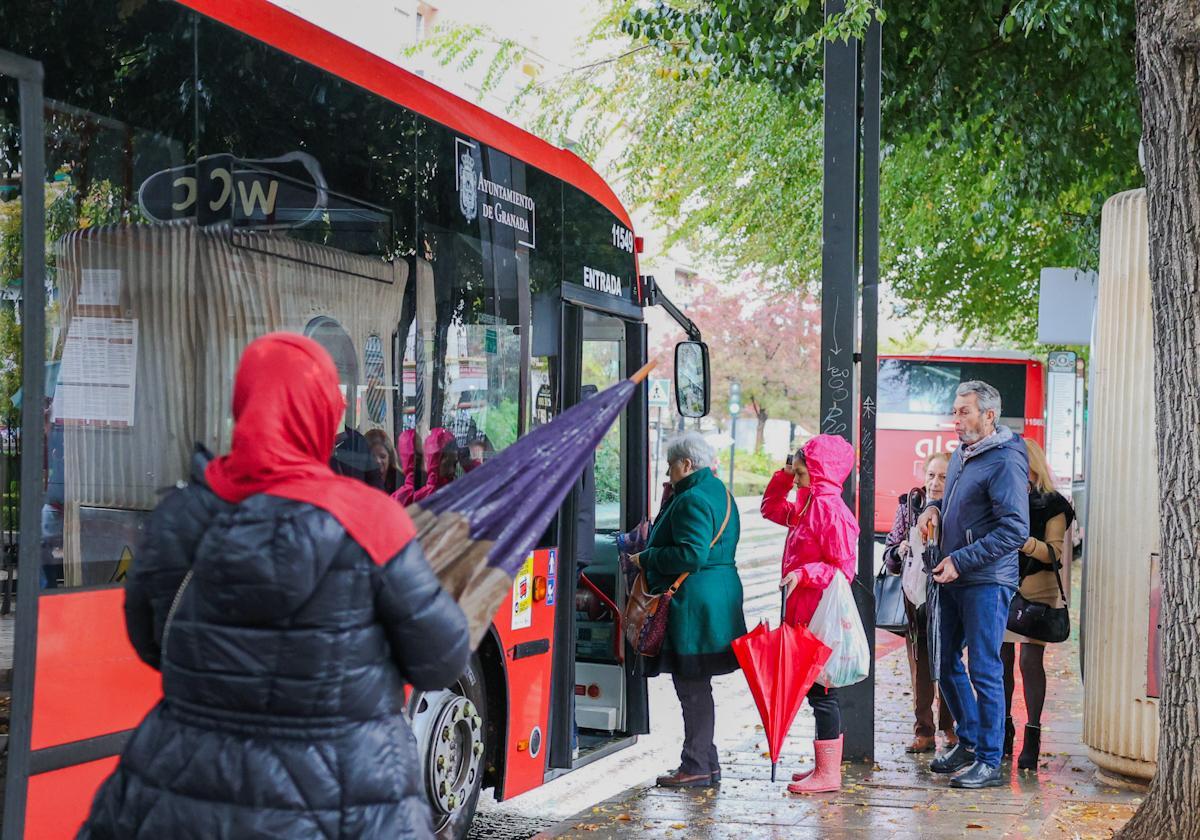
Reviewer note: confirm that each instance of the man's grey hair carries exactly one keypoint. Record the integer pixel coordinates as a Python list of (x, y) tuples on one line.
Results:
[(693, 446), (989, 397)]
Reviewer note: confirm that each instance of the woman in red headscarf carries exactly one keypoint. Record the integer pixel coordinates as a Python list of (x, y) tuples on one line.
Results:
[(286, 607)]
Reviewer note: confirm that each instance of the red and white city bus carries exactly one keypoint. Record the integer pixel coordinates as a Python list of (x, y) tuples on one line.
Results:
[(916, 396), (218, 169)]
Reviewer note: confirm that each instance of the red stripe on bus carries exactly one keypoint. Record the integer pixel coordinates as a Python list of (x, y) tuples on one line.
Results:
[(88, 680), (58, 802), (308, 42)]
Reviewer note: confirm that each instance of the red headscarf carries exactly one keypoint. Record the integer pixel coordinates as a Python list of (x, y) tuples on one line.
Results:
[(287, 410)]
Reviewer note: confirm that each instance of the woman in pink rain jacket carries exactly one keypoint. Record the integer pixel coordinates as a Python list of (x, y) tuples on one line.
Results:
[(822, 541)]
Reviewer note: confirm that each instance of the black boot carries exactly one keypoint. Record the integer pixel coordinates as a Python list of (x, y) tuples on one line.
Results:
[(953, 760), (1010, 733), (1031, 749)]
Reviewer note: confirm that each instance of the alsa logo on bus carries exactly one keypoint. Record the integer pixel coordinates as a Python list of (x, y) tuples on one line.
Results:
[(502, 205), (932, 445), (283, 192)]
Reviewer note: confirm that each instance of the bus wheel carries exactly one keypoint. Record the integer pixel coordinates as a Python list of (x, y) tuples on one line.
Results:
[(449, 726)]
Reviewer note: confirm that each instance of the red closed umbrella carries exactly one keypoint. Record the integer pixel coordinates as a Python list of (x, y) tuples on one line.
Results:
[(780, 665)]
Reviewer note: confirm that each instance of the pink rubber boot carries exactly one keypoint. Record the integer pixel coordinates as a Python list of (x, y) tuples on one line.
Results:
[(827, 776)]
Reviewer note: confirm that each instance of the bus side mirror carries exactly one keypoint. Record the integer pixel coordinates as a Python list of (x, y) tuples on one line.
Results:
[(691, 378)]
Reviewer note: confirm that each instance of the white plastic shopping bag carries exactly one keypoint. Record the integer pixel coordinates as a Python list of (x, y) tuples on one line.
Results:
[(836, 623), (913, 577)]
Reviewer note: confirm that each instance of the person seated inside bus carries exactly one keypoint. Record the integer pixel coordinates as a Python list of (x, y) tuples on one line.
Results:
[(475, 453), (408, 449), (384, 455), (441, 462), (352, 458)]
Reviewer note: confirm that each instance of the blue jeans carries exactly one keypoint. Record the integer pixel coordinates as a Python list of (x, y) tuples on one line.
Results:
[(975, 616)]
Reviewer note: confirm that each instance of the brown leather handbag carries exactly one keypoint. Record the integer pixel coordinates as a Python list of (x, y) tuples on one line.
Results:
[(645, 615)]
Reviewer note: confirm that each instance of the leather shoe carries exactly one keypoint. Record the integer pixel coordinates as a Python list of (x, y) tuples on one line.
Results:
[(921, 744), (953, 760), (676, 779), (978, 775)]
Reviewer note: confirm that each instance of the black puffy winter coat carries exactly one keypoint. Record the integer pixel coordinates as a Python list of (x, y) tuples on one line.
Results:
[(283, 677)]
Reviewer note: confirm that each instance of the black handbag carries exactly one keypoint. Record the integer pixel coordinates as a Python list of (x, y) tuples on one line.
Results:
[(1041, 621), (890, 614)]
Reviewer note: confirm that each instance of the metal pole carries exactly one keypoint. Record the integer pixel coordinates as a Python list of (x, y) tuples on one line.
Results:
[(33, 377), (658, 432), (839, 311), (869, 371)]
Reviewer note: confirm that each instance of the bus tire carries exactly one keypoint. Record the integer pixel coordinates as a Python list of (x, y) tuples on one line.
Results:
[(450, 726)]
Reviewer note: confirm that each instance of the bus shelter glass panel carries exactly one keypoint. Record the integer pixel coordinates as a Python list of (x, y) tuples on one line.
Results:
[(116, 432), (202, 190), (11, 271)]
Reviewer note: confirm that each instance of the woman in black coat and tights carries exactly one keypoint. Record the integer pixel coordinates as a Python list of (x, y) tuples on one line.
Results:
[(286, 608)]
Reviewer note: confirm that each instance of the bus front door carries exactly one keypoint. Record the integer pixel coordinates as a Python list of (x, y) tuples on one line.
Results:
[(600, 700)]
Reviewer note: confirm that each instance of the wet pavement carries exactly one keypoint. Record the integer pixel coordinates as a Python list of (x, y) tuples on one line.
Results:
[(896, 797), (497, 825)]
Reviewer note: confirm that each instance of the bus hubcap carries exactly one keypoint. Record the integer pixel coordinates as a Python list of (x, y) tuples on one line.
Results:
[(450, 733)]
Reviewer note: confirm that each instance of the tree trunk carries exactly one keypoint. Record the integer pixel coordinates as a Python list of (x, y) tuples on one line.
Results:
[(760, 433), (1168, 62)]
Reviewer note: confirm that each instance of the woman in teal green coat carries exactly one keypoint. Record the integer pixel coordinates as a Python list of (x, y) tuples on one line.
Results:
[(696, 533)]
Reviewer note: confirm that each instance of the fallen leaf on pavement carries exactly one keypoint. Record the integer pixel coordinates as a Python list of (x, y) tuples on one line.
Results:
[(624, 818)]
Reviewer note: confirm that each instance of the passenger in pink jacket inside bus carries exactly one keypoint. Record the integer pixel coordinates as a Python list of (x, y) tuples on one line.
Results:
[(441, 462), (406, 450), (822, 541)]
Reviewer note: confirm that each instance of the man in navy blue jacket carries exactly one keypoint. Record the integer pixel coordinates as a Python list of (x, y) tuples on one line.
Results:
[(985, 520)]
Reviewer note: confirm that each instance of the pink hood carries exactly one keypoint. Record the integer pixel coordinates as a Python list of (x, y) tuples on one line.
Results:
[(435, 444), (822, 532), (406, 450)]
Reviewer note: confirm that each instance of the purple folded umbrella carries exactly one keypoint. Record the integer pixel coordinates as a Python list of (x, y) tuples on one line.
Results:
[(478, 530)]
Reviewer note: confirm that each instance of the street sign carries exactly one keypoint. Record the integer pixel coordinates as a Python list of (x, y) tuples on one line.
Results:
[(1061, 424), (660, 393), (735, 398)]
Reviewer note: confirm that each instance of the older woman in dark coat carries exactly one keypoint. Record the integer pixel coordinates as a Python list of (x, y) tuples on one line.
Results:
[(286, 608)]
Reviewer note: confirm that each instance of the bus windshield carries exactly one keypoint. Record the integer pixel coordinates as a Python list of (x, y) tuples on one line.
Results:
[(911, 386)]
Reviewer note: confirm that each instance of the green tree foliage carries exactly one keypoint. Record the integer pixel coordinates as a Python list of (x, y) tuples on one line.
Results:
[(1006, 125), (1005, 128), (1050, 77)]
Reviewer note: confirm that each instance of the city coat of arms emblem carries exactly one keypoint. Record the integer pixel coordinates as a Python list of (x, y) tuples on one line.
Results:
[(468, 187)]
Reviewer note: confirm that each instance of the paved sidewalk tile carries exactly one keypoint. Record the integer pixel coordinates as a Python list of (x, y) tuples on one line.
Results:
[(895, 799)]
